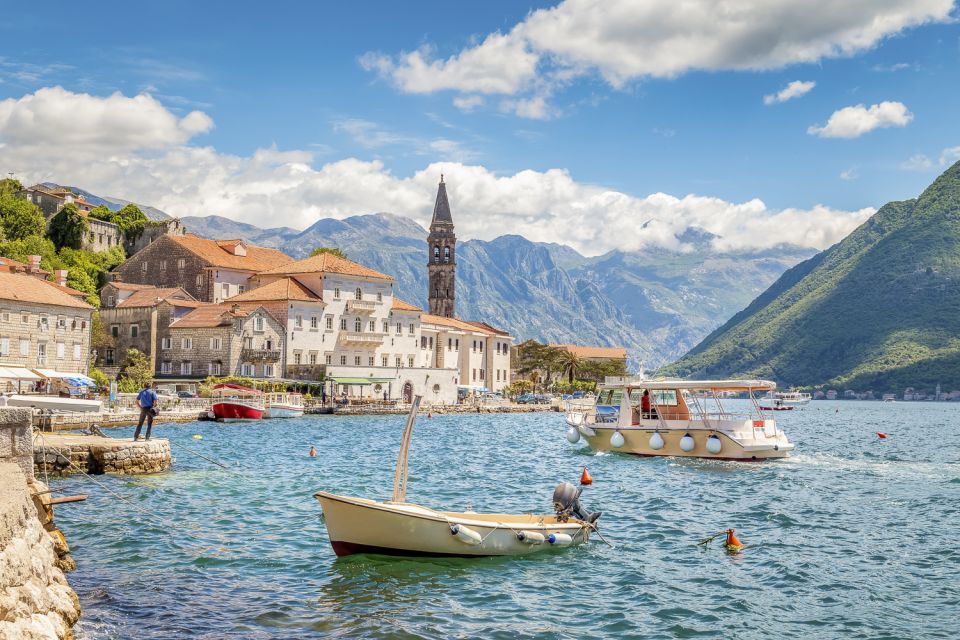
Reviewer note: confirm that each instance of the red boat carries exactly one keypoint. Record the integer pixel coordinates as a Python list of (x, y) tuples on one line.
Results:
[(235, 403)]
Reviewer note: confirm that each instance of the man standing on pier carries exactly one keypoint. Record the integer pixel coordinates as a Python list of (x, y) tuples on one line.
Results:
[(147, 401)]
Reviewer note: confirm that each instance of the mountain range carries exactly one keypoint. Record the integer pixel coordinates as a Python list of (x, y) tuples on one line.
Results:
[(880, 310), (655, 303)]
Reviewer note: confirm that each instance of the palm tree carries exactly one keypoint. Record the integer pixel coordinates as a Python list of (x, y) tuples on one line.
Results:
[(570, 364)]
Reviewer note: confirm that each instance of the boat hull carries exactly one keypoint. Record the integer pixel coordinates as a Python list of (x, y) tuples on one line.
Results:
[(636, 441), (356, 525), (54, 403), (283, 411), (234, 411)]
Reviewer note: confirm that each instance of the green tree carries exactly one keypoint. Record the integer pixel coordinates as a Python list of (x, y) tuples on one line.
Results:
[(100, 338), (20, 218), (134, 372), (68, 228), (100, 378), (570, 364), (9, 186), (330, 250)]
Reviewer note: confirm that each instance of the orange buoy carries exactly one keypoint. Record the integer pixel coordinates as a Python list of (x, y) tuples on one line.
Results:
[(313, 452), (585, 477), (733, 542), (881, 435)]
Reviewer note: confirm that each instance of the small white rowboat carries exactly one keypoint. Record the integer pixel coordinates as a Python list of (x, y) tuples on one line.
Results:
[(397, 527)]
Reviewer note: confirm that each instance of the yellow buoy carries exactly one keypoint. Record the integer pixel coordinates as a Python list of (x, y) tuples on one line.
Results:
[(198, 437)]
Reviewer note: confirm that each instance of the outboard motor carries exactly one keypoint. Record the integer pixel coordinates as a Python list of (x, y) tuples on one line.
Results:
[(566, 502)]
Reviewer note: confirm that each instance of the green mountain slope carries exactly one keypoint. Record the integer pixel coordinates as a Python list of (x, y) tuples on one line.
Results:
[(880, 310)]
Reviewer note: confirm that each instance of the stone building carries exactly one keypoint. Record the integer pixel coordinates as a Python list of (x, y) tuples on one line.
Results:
[(42, 326), (101, 235), (141, 320), (210, 270), (223, 340), (441, 263), (152, 232)]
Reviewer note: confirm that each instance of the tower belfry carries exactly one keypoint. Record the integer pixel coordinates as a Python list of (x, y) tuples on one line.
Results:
[(441, 265)]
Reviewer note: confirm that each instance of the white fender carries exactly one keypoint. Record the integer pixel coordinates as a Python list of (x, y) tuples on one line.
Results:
[(560, 539), (714, 444), (687, 443), (616, 440), (656, 441), (531, 537), (465, 534), (573, 436), (586, 432)]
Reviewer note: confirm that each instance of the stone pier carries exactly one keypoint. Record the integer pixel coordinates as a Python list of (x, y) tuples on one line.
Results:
[(64, 453)]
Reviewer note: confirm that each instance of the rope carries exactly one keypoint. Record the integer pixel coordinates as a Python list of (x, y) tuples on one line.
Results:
[(200, 455)]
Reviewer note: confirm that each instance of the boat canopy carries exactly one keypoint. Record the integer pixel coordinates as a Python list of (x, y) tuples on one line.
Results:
[(690, 385), (226, 387), (359, 380)]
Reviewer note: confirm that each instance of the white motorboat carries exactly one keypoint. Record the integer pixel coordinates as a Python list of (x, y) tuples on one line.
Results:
[(679, 420), (284, 405), (397, 527), (54, 403), (785, 400)]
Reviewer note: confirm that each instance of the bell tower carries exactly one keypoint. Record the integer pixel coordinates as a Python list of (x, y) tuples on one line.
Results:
[(441, 261)]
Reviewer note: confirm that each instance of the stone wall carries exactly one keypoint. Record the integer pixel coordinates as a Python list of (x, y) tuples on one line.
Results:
[(145, 268), (96, 455), (16, 438)]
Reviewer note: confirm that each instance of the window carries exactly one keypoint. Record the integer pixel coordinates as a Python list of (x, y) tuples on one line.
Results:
[(356, 361), (314, 324), (213, 368), (186, 343), (431, 343), (143, 266), (246, 369), (4, 346), (446, 254), (474, 375), (42, 353), (399, 362), (296, 357), (386, 327), (358, 294), (25, 318), (241, 288), (456, 344), (329, 320), (248, 343), (108, 357), (61, 322), (399, 328), (481, 374), (498, 348), (328, 359), (372, 326), (115, 330), (481, 345), (298, 322), (111, 301), (268, 371), (166, 367), (423, 342), (61, 348), (200, 280), (498, 375), (163, 265), (258, 324), (370, 361), (379, 296), (357, 325), (343, 359), (474, 347), (449, 344), (225, 290), (436, 255), (313, 357), (166, 343), (181, 263), (410, 361), (343, 324), (384, 360), (186, 368), (411, 329), (134, 331), (336, 293), (216, 344)]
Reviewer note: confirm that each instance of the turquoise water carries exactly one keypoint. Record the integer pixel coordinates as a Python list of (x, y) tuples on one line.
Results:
[(854, 537)]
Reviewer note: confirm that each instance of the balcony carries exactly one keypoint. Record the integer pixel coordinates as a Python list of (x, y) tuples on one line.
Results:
[(360, 338), (311, 372), (260, 355), (361, 306)]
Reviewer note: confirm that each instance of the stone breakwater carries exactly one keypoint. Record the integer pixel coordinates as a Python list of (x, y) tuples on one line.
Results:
[(63, 453), (35, 600)]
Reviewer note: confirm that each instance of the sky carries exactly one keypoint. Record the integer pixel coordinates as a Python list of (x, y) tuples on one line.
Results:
[(603, 125)]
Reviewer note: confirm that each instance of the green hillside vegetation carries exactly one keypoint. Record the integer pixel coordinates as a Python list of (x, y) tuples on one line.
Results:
[(25, 233), (878, 311)]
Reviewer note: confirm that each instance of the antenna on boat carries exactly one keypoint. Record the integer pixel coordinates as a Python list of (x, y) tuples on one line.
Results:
[(400, 476)]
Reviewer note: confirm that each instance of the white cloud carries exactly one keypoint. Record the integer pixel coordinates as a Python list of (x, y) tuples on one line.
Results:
[(468, 103), (850, 174), (918, 162), (795, 89), (624, 40), (949, 155), (283, 187), (373, 136), (534, 108), (853, 122), (891, 68)]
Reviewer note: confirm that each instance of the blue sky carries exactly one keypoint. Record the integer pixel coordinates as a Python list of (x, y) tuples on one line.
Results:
[(326, 84)]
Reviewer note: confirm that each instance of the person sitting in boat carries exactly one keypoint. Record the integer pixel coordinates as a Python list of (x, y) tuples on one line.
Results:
[(646, 410)]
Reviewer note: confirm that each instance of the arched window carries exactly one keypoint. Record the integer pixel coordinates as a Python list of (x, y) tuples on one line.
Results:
[(436, 255), (358, 294), (437, 292), (446, 254), (357, 325)]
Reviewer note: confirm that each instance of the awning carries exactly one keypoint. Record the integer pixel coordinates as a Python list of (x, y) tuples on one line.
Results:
[(50, 373), (360, 381), (17, 373), (80, 380)]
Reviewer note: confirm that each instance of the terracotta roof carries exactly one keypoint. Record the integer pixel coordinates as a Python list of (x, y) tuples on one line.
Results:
[(23, 288), (581, 351), (10, 265), (400, 305), (128, 286), (214, 315), (488, 327), (283, 289), (454, 323), (149, 297), (217, 255), (76, 293), (328, 263)]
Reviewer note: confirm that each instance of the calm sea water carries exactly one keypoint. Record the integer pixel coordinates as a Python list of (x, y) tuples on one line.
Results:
[(854, 537)]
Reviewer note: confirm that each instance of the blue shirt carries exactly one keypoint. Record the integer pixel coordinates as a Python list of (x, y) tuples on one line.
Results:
[(147, 398)]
